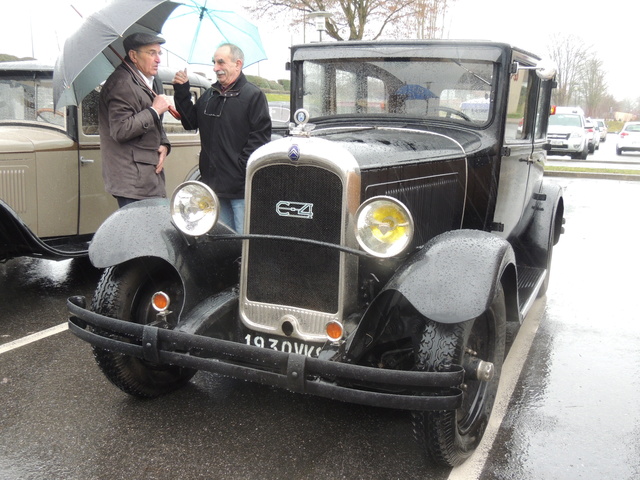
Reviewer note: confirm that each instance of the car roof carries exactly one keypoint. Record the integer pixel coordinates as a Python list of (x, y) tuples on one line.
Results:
[(165, 73)]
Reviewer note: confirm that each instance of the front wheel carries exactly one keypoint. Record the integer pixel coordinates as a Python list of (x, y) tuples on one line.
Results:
[(124, 292), (450, 437)]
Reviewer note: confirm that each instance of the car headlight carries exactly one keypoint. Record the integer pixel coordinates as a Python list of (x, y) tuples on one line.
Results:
[(194, 208), (384, 226), (577, 135)]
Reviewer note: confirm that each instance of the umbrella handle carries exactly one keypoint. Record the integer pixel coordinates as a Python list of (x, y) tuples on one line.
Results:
[(174, 113)]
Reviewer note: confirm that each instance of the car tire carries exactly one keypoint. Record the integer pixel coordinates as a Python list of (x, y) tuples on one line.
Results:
[(124, 292), (449, 437), (584, 153)]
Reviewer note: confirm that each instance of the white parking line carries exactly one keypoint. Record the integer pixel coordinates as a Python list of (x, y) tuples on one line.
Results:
[(511, 369), (34, 337)]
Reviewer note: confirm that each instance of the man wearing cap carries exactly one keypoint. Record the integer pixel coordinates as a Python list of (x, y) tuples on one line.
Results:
[(132, 139)]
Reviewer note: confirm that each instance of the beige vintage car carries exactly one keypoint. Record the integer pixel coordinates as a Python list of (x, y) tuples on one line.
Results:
[(52, 196)]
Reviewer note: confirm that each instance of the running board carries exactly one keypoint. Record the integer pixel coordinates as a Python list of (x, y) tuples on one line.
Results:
[(529, 282)]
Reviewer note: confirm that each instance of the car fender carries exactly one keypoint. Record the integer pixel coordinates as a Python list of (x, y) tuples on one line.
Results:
[(144, 230), (454, 277), (17, 239)]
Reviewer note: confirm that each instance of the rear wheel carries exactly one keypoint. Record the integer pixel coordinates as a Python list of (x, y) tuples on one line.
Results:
[(450, 437), (124, 292)]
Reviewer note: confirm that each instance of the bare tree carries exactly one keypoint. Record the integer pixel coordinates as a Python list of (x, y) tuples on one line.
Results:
[(570, 54), (593, 86), (427, 19), (363, 19)]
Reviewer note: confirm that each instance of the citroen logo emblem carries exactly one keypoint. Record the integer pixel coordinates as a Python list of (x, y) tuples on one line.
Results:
[(294, 153)]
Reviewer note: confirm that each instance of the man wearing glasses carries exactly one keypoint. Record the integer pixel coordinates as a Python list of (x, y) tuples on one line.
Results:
[(233, 119), (133, 142)]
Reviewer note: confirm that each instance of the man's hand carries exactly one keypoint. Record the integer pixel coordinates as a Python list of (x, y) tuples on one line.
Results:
[(160, 104), (181, 77), (162, 154)]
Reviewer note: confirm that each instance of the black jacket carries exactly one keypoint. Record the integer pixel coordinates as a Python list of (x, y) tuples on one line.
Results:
[(232, 126)]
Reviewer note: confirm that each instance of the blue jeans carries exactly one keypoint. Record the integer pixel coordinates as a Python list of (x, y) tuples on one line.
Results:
[(232, 213)]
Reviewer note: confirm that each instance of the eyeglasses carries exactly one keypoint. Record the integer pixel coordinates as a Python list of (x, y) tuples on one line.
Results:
[(218, 102), (151, 53)]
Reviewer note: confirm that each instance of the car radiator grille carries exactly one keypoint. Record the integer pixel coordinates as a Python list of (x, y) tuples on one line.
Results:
[(278, 272), (557, 136)]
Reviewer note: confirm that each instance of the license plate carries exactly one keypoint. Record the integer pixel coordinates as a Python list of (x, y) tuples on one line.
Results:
[(283, 345), (556, 142)]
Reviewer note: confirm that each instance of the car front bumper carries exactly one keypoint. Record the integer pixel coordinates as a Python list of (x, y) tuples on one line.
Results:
[(398, 389)]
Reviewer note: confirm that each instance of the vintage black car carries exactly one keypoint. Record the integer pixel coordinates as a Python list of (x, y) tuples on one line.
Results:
[(393, 237)]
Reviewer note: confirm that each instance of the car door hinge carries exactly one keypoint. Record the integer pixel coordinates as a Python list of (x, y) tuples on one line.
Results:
[(497, 227), (506, 151)]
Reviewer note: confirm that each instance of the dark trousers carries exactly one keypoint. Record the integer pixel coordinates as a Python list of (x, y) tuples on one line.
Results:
[(123, 201)]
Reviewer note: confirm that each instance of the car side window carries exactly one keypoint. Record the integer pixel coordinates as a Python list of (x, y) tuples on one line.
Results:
[(90, 113), (173, 125), (517, 126)]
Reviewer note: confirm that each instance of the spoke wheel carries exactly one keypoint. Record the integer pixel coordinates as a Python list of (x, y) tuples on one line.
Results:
[(124, 292), (450, 437)]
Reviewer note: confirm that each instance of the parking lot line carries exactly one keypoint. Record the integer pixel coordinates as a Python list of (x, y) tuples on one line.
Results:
[(472, 468), (34, 337)]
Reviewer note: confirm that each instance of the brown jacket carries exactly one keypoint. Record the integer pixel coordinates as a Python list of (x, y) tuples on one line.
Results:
[(130, 135)]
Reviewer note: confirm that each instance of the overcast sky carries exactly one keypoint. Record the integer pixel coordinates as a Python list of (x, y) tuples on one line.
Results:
[(529, 25)]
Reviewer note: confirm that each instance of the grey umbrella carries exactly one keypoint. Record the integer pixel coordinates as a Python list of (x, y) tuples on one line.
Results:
[(92, 52)]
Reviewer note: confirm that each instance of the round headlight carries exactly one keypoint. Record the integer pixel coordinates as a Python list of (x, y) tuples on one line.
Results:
[(194, 208), (384, 226)]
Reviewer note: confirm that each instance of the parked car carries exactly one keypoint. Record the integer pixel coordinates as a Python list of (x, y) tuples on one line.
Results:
[(628, 138), (391, 240), (602, 128), (52, 196), (567, 133), (593, 135)]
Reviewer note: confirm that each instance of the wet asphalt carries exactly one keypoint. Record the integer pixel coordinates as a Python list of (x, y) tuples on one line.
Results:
[(569, 407)]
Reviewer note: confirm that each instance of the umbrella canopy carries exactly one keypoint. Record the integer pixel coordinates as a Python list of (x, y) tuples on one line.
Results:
[(193, 32), (88, 56), (86, 59), (415, 92)]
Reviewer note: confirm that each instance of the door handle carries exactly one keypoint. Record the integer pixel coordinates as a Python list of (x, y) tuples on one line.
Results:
[(85, 161)]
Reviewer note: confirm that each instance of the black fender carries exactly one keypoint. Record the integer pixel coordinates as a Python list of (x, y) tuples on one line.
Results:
[(143, 230), (544, 231), (17, 240), (452, 279)]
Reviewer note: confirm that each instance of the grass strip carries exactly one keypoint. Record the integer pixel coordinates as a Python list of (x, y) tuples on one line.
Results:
[(550, 168)]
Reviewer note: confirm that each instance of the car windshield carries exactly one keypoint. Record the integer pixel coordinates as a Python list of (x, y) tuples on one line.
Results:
[(565, 120), (28, 99), (408, 87), (633, 128)]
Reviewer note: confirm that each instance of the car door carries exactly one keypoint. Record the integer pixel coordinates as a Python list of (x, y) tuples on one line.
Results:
[(522, 165)]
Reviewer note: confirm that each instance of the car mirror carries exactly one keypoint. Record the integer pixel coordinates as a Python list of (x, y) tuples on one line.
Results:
[(546, 69)]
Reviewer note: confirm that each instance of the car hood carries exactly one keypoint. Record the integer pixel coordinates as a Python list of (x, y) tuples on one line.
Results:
[(563, 129), (24, 139), (376, 146)]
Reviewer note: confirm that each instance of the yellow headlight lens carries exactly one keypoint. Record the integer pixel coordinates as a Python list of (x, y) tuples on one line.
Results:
[(384, 226), (194, 208)]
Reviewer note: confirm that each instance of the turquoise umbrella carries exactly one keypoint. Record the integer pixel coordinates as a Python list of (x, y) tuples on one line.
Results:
[(194, 31)]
